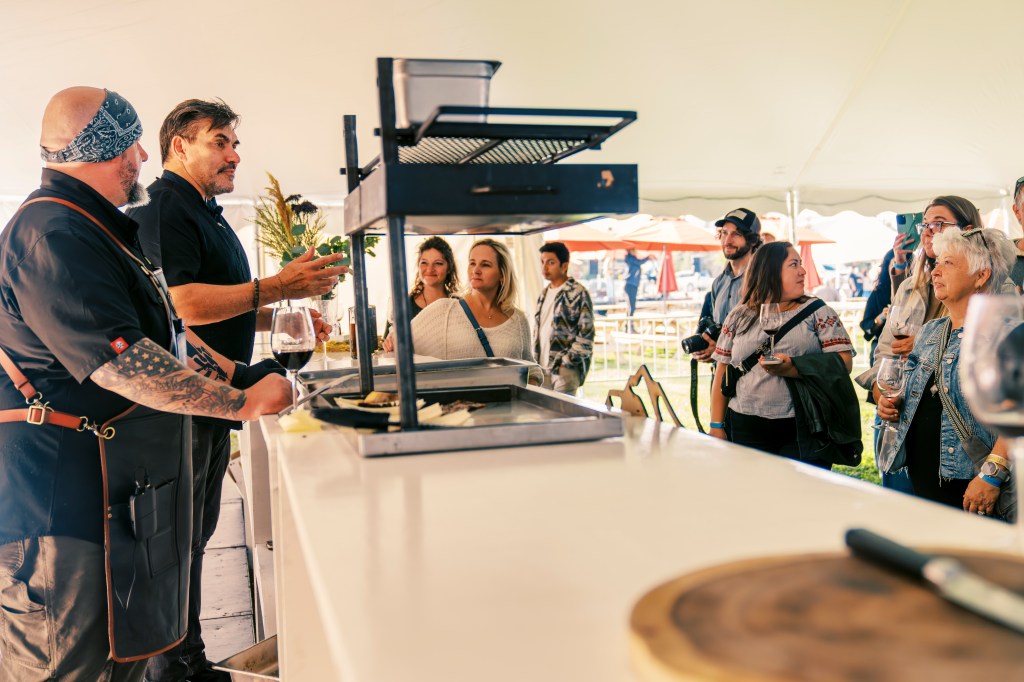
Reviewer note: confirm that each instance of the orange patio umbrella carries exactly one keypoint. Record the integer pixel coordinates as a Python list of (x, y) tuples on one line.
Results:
[(585, 238), (671, 234)]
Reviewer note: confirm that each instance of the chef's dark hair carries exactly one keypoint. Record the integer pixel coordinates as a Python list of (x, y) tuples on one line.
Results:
[(186, 119)]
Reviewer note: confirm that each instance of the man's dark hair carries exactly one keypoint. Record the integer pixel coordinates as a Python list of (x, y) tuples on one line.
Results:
[(560, 250), (186, 118)]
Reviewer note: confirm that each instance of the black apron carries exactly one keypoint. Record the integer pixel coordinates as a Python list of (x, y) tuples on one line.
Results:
[(146, 463)]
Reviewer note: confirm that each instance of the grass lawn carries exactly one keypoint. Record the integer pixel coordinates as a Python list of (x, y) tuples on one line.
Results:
[(678, 391)]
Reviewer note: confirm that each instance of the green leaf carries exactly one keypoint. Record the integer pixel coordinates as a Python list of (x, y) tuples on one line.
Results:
[(346, 261), (297, 250), (298, 230), (323, 250)]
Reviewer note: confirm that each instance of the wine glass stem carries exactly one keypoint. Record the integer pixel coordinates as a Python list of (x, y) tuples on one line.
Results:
[(773, 346), (293, 377), (1017, 463)]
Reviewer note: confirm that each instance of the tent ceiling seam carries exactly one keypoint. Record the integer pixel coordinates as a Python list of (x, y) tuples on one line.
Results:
[(854, 91)]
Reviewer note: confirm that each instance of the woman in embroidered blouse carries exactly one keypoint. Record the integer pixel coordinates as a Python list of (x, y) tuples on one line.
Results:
[(443, 329), (944, 456), (437, 277), (762, 414)]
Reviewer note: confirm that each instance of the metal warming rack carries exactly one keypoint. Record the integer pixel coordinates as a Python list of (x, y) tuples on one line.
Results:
[(461, 172)]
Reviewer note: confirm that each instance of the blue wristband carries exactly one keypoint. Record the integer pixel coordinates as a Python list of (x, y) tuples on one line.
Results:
[(991, 480), (716, 425), (899, 266)]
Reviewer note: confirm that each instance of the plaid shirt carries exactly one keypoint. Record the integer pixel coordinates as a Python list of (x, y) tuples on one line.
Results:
[(572, 329)]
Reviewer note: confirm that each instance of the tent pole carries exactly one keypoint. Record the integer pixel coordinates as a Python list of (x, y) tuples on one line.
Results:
[(793, 208)]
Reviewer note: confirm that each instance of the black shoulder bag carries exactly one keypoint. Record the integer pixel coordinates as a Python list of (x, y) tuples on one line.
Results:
[(733, 373), (476, 327)]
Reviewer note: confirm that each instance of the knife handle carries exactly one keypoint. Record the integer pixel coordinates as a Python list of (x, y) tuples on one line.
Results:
[(874, 547)]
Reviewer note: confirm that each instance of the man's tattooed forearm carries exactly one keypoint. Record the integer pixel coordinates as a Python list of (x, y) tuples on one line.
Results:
[(148, 374), (205, 363)]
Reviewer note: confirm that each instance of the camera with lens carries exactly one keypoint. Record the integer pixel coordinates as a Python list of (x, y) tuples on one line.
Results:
[(697, 342)]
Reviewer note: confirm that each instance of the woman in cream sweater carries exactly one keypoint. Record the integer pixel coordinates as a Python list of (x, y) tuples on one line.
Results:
[(443, 329)]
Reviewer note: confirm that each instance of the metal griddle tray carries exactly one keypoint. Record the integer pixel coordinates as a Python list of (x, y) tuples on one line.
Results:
[(514, 416), (438, 374)]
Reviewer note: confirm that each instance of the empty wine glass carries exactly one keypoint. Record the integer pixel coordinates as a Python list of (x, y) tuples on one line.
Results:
[(771, 320), (328, 309), (891, 380), (292, 340), (992, 374)]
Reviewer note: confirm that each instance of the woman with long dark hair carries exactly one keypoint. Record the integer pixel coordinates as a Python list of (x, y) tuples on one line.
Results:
[(761, 412)]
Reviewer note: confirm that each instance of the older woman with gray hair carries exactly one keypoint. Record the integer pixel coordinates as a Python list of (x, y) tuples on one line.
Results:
[(945, 448)]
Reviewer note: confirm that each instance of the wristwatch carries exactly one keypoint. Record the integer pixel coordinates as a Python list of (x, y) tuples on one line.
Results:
[(995, 471)]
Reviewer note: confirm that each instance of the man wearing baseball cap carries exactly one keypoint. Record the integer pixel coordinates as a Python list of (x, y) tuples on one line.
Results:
[(739, 233)]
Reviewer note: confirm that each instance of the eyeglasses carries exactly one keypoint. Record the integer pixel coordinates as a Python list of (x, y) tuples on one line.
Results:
[(722, 234), (935, 226)]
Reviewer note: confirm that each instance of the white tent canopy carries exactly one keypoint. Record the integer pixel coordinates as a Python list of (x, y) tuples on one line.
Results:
[(872, 105)]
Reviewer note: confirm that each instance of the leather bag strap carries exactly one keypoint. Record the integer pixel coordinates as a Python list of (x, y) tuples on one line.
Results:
[(751, 360), (476, 326)]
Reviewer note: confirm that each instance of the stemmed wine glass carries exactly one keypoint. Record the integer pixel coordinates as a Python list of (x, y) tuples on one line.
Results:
[(992, 374), (292, 340), (771, 320), (902, 328), (891, 380)]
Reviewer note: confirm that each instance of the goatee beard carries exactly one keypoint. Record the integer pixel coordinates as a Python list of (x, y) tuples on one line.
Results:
[(137, 196), (739, 253)]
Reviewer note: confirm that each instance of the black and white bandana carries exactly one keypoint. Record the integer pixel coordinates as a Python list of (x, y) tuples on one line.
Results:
[(114, 128)]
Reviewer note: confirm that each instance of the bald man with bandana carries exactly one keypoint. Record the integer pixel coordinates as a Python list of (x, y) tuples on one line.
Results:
[(81, 319)]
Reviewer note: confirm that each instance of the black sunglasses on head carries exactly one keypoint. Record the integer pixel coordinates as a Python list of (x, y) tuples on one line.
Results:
[(1016, 188)]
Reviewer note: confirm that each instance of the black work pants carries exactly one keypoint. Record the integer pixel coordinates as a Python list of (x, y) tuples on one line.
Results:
[(211, 450), (776, 436)]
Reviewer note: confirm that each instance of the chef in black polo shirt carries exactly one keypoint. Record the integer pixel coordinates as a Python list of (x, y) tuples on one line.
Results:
[(83, 318), (206, 267)]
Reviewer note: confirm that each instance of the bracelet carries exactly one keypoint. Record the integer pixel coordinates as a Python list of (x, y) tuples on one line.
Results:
[(1001, 461), (716, 425), (255, 293), (991, 480), (899, 266)]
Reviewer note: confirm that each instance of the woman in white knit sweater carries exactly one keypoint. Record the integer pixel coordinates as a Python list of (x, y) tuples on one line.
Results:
[(443, 329)]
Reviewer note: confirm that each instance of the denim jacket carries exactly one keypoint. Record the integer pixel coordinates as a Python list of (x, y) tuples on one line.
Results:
[(955, 461)]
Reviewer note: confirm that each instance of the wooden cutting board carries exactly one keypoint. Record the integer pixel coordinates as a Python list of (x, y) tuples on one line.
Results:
[(821, 618)]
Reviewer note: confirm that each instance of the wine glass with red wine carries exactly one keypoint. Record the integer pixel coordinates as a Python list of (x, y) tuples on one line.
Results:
[(771, 320), (992, 374), (902, 327), (292, 340)]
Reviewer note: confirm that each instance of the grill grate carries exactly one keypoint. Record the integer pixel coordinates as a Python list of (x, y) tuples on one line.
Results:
[(463, 150)]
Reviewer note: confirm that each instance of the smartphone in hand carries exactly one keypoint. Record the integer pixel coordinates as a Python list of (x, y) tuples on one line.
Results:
[(906, 223)]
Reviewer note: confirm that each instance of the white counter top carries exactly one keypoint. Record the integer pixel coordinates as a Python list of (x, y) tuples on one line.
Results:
[(523, 564)]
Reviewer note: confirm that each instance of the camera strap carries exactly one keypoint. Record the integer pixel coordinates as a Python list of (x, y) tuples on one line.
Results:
[(751, 360), (693, 393)]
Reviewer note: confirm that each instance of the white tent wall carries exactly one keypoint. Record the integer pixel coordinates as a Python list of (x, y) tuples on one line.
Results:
[(870, 105)]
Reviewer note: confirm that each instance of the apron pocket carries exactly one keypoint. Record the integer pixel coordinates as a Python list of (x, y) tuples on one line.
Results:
[(162, 547)]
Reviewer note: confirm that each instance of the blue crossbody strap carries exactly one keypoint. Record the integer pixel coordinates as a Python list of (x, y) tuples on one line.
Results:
[(476, 326)]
